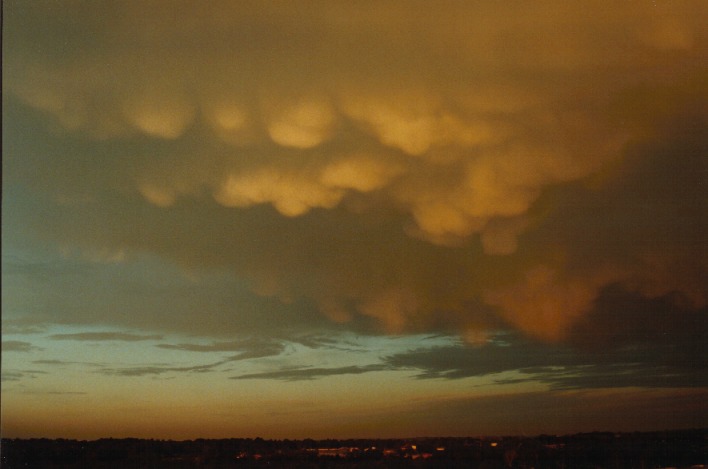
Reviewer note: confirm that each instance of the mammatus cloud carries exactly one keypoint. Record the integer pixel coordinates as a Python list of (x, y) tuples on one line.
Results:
[(454, 167)]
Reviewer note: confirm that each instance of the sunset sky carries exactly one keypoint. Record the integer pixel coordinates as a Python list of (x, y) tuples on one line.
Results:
[(296, 219)]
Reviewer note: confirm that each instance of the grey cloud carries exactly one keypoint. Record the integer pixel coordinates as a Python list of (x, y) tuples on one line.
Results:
[(623, 318), (110, 369), (271, 350), (258, 348), (157, 296), (622, 375), (213, 347), (44, 271), (455, 362), (157, 370), (68, 393), (105, 336), (18, 346), (247, 349), (299, 374), (12, 376), (54, 362), (644, 354), (22, 329), (317, 341), (59, 393), (18, 375)]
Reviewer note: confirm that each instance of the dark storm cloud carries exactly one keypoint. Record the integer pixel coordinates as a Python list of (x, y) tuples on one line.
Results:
[(299, 374), (657, 345), (459, 361), (624, 319), (105, 336), (621, 375)]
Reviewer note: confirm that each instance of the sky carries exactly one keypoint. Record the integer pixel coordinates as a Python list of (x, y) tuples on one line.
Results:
[(332, 219)]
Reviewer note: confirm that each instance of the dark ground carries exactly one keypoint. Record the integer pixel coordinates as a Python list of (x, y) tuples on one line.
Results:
[(675, 449)]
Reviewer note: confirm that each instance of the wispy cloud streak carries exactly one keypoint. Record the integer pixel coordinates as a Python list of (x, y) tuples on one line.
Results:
[(18, 346), (105, 336), (299, 374)]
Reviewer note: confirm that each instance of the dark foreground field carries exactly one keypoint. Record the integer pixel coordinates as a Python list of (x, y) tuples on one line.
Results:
[(676, 449)]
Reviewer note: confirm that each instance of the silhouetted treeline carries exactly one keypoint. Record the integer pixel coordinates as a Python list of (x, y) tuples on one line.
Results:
[(676, 449)]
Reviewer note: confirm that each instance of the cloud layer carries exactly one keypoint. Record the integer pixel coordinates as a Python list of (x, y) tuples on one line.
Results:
[(451, 167)]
